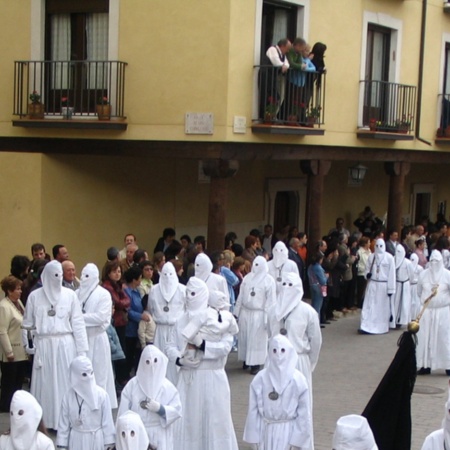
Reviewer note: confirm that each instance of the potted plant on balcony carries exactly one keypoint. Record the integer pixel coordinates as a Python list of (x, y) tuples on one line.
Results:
[(35, 108), (294, 113), (404, 125), (270, 113), (313, 115), (373, 124), (66, 110), (103, 108)]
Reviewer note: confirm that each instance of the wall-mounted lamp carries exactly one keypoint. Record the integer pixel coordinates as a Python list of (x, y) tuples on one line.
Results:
[(357, 173)]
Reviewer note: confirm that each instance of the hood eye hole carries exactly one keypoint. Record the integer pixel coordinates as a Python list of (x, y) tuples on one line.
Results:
[(147, 361), (290, 284), (56, 275), (283, 350), (123, 434), (192, 293), (84, 374), (155, 360), (284, 284), (132, 433), (274, 350), (11, 413), (20, 412)]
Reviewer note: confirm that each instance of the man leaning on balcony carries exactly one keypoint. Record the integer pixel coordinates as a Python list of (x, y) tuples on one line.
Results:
[(276, 79)]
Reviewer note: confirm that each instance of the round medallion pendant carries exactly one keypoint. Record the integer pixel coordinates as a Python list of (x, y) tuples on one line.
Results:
[(273, 395), (51, 312)]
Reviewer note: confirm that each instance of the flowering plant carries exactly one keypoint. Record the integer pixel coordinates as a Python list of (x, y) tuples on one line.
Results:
[(272, 106), (103, 100), (296, 107), (314, 112), (64, 101), (35, 98)]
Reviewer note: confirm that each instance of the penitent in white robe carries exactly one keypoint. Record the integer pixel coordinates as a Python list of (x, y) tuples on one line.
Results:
[(165, 320), (415, 300), (434, 441), (159, 428), (277, 273), (276, 425), (433, 347), (252, 308), (402, 299), (97, 427), (40, 442), (97, 317), (376, 309), (205, 393), (58, 340)]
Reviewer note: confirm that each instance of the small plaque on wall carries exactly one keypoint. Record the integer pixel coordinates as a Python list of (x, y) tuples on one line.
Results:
[(199, 123)]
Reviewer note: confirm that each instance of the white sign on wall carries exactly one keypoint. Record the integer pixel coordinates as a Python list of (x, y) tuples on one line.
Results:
[(199, 123), (239, 124)]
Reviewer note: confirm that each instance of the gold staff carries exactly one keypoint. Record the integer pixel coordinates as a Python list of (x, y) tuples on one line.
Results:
[(414, 326)]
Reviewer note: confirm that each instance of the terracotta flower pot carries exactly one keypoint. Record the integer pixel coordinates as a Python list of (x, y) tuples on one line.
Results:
[(104, 112), (36, 111), (269, 118)]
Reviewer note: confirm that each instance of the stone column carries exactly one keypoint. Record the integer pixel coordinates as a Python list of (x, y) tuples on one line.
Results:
[(316, 171), (220, 172), (397, 172)]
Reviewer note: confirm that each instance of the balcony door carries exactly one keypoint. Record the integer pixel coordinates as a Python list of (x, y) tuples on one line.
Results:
[(445, 116), (377, 72), (76, 36)]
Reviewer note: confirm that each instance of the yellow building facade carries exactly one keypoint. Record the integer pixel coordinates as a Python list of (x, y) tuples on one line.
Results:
[(189, 93)]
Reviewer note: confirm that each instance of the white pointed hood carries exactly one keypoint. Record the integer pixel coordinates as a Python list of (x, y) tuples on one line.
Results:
[(290, 294), (282, 362), (414, 258), (280, 254), (446, 421), (399, 256), (203, 266), (168, 281), (260, 269), (25, 415), (436, 267), (197, 295), (380, 250), (353, 433), (218, 300), (82, 381), (52, 277), (151, 371), (131, 433), (89, 280)]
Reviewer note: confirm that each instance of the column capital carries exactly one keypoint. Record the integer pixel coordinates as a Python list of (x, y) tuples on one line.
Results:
[(220, 168), (315, 166), (397, 168)]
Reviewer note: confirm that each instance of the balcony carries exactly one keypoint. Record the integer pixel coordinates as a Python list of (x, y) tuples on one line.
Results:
[(447, 7), (388, 111), (70, 94), (291, 103)]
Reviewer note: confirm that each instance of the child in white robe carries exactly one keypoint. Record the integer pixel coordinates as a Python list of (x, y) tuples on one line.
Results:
[(25, 420), (353, 433), (153, 397), (85, 420), (131, 434), (279, 411)]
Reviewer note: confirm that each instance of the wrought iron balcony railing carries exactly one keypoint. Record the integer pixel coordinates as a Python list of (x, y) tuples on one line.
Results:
[(75, 86), (388, 107), (294, 98)]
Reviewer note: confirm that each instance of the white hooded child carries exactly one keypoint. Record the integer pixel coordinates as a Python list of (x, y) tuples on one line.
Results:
[(401, 300), (415, 300), (215, 282), (25, 421), (440, 439), (380, 275), (166, 304), (353, 433), (256, 296), (151, 395), (96, 306), (54, 313), (131, 434), (433, 347), (281, 264), (279, 413), (85, 419)]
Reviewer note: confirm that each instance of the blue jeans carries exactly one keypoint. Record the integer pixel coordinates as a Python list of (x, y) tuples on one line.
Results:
[(316, 297)]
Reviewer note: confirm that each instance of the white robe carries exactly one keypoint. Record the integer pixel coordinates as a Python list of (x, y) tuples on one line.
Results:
[(217, 282), (434, 441), (433, 347), (401, 301), (277, 272), (376, 309), (40, 442), (415, 300), (159, 428), (97, 427), (97, 317), (253, 311), (205, 394), (58, 340), (165, 320), (303, 331), (278, 424)]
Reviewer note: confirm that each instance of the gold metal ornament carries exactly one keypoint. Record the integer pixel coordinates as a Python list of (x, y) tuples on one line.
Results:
[(413, 326)]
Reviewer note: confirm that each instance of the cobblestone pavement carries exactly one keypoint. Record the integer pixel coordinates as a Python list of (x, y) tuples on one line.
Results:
[(349, 370)]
